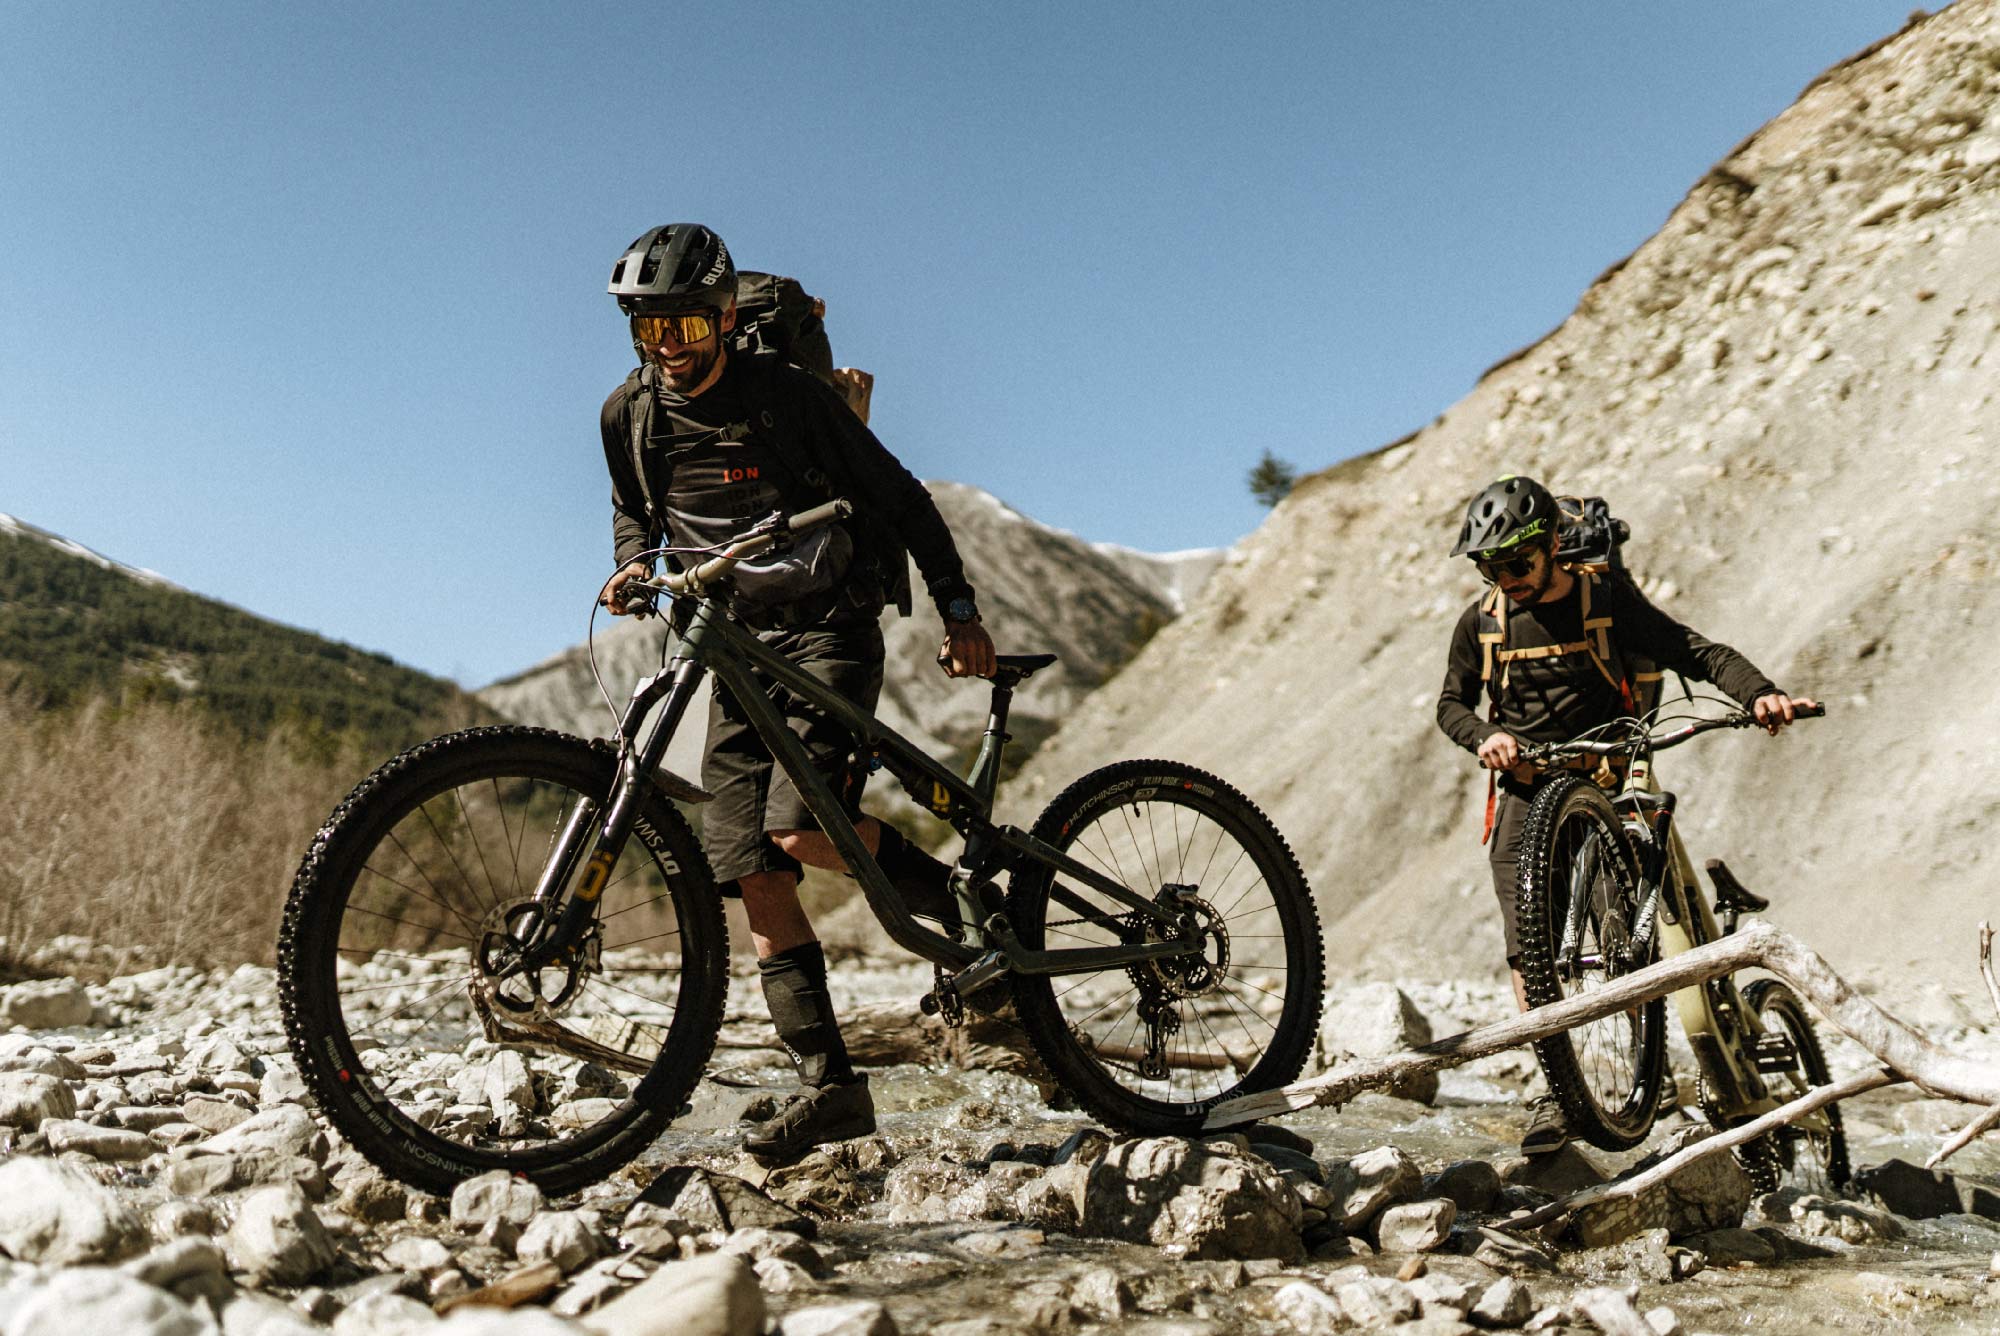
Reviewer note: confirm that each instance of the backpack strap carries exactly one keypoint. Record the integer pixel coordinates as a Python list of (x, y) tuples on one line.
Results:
[(1597, 639), (1492, 637), (639, 413)]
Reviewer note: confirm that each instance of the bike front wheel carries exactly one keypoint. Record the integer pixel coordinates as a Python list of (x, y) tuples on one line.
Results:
[(1577, 914), (1151, 1047), (1810, 1155), (414, 1025)]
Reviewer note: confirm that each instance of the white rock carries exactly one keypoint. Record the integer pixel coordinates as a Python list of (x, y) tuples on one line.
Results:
[(1415, 1226), (34, 1058), (498, 1196), (858, 1317), (509, 1088), (1612, 1312), (28, 1099), (249, 1313), (475, 1321), (286, 1130), (1504, 1303), (384, 1315), (1376, 1301), (102, 1143), (59, 1216), (99, 1301), (278, 1239), (46, 1004), (414, 1252), (562, 1237), (715, 1295), (1310, 1309), (1369, 1183)]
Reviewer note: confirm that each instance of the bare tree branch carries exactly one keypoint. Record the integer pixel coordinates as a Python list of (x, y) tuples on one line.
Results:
[(1816, 1098), (1965, 1136), (1986, 962), (1898, 1047)]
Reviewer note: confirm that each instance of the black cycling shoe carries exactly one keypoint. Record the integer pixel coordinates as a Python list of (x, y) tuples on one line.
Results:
[(813, 1117), (1548, 1130)]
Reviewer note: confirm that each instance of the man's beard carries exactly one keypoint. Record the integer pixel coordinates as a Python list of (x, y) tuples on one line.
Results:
[(700, 362)]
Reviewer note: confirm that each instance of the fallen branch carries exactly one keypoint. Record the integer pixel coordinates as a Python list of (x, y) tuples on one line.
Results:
[(1965, 1136), (1816, 1098), (1986, 962), (1898, 1047)]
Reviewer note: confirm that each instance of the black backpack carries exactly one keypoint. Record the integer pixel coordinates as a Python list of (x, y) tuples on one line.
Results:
[(777, 317)]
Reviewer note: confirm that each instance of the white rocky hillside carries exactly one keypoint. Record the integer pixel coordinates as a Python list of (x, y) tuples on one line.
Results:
[(1040, 590), (1789, 391)]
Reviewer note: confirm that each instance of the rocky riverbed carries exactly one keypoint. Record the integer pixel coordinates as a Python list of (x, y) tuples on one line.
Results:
[(161, 1172)]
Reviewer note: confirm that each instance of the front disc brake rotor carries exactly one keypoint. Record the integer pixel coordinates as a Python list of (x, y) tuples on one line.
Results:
[(505, 979)]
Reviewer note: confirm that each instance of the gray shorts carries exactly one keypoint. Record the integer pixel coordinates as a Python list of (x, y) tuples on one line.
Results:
[(753, 794), (1503, 853)]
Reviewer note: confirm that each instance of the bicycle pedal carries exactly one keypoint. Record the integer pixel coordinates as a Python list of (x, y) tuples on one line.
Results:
[(1773, 1053)]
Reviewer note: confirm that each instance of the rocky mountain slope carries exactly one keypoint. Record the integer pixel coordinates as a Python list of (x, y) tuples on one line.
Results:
[(1789, 392), (1040, 590)]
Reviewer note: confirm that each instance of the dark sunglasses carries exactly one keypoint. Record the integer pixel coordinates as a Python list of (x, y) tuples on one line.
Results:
[(1518, 567)]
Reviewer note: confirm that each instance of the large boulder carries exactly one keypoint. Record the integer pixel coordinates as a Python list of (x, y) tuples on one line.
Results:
[(715, 1295), (29, 1099), (46, 1004), (59, 1216), (277, 1239), (1711, 1193), (1200, 1199), (94, 1299), (1373, 1020), (1363, 1187)]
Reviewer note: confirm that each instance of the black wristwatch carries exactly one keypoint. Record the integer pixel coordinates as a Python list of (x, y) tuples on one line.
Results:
[(961, 610)]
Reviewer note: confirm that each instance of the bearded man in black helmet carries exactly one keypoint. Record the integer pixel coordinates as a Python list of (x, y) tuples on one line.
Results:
[(1552, 681), (700, 445)]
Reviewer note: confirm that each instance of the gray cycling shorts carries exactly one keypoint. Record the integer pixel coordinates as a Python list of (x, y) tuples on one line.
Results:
[(1503, 854), (753, 794)]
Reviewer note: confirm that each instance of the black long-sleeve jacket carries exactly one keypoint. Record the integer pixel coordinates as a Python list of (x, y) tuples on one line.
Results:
[(806, 420), (1554, 699)]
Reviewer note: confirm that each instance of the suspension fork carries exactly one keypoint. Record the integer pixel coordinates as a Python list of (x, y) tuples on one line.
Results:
[(607, 837)]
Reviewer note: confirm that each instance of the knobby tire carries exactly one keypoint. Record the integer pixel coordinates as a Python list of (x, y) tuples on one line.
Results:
[(1246, 1026), (1795, 1156), (1609, 1094), (369, 866)]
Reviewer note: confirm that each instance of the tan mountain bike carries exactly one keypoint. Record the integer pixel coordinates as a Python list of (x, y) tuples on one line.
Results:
[(1606, 887)]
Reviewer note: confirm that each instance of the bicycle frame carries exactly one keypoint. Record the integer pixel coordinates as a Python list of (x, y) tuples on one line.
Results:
[(1719, 1028), (713, 642)]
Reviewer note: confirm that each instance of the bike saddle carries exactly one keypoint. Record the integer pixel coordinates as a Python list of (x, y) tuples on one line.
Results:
[(1012, 669), (1729, 892)]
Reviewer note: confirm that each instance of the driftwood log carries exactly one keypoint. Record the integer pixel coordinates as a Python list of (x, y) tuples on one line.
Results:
[(1901, 1049)]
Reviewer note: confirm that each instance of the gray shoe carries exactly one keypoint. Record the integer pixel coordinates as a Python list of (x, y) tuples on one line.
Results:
[(1548, 1130), (813, 1117)]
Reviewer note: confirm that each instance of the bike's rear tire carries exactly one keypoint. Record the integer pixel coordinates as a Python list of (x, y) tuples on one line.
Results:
[(411, 873), (1605, 1075), (1249, 1010), (1795, 1156)]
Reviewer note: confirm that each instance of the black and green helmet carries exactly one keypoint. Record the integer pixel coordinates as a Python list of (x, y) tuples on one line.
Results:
[(1505, 515)]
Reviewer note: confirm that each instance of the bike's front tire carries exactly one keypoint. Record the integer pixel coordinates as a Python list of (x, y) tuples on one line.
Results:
[(392, 955), (1606, 1075), (1242, 1013)]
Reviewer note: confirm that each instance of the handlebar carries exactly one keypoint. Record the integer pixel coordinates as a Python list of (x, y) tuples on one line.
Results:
[(766, 535), (1543, 751)]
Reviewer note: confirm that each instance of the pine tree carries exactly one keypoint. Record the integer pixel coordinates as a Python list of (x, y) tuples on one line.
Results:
[(1272, 479)]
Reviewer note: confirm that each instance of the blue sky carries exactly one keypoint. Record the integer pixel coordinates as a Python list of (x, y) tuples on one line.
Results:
[(302, 306)]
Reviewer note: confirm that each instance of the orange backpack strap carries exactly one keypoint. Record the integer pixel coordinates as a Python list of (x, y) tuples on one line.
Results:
[(1597, 639)]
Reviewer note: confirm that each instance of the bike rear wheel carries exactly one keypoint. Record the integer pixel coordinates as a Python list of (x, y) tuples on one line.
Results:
[(1810, 1158), (1606, 1075), (415, 1031), (1152, 1047)]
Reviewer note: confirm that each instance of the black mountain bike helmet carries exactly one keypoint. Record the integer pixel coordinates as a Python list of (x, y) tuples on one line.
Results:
[(1506, 514), (674, 268)]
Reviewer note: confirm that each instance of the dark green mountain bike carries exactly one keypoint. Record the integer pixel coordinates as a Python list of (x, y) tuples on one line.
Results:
[(505, 949)]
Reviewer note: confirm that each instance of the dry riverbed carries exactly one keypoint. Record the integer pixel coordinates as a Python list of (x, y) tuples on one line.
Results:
[(162, 1173)]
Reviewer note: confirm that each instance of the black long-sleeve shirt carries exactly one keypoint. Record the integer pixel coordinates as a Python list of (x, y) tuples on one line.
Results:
[(1554, 699), (767, 399)]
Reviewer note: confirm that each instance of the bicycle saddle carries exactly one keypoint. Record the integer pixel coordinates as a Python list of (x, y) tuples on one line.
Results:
[(1012, 669), (1729, 892)]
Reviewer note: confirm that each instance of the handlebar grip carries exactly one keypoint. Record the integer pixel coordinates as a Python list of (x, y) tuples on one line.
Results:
[(1809, 712), (837, 509)]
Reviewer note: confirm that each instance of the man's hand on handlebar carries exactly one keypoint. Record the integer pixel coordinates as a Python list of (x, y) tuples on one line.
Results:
[(1503, 752), (968, 650), (613, 596), (1776, 710)]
